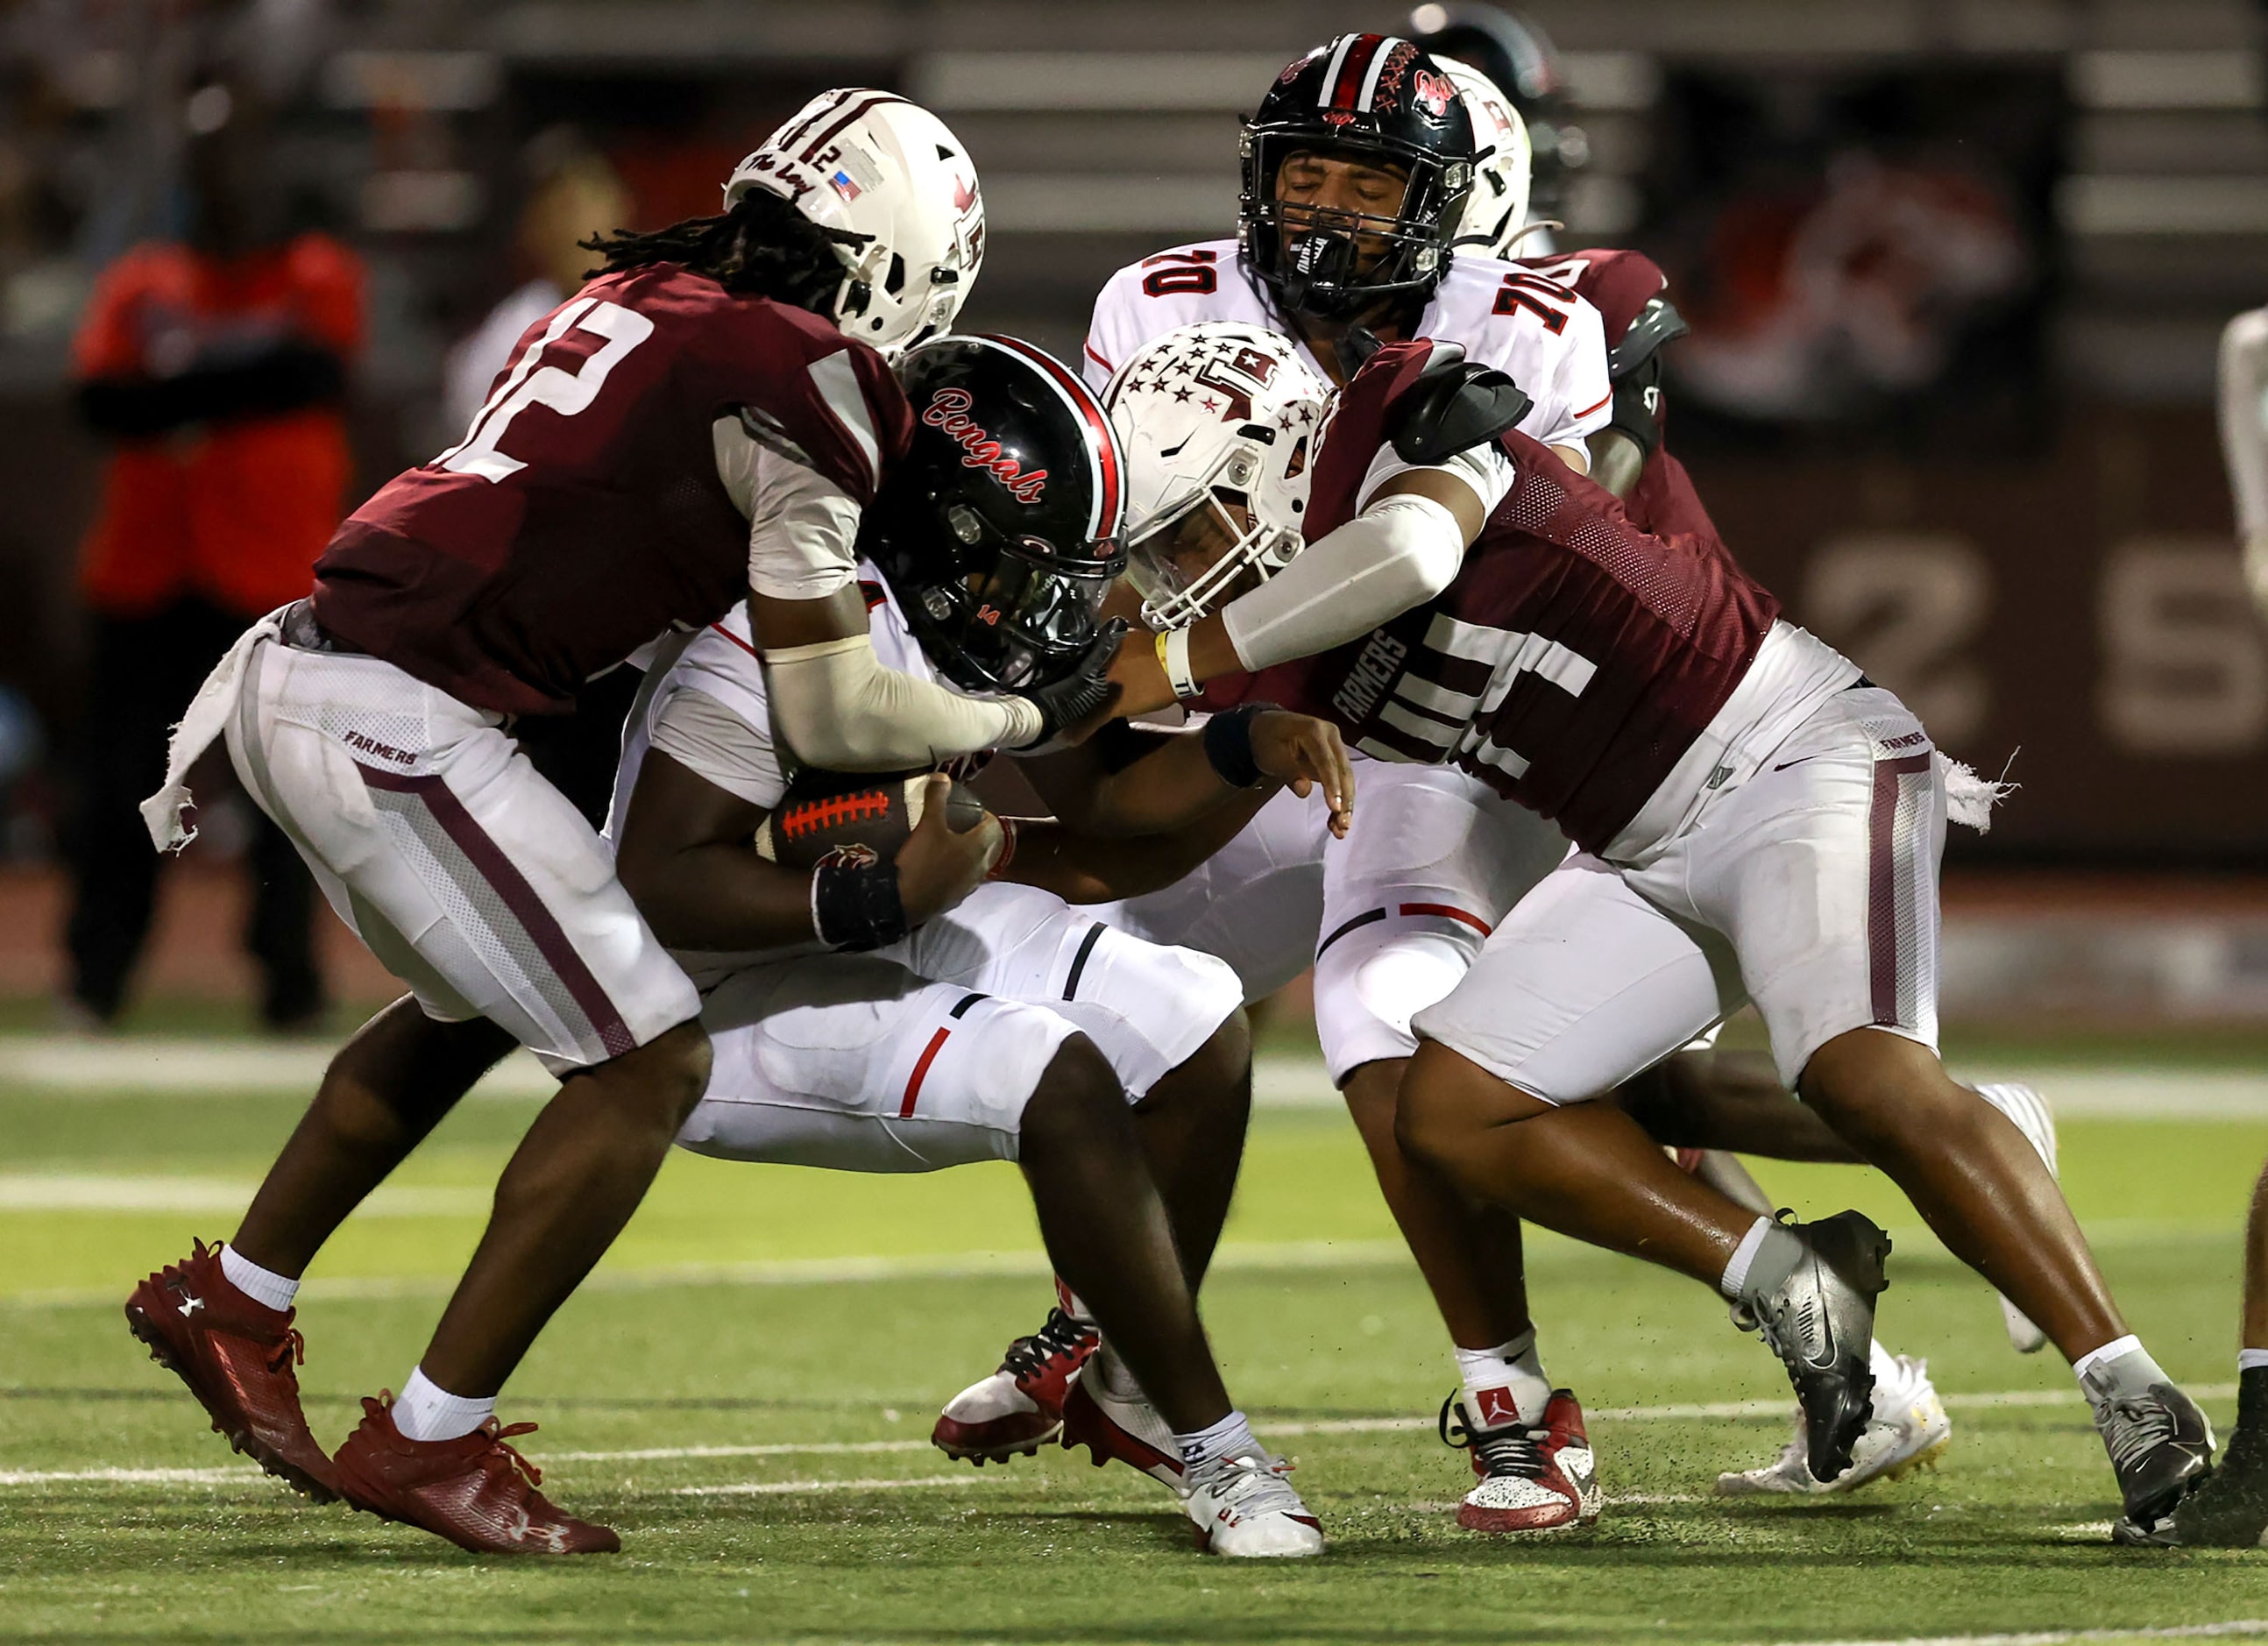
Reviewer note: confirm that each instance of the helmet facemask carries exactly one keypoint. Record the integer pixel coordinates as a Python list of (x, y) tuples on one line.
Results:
[(1218, 515), (1313, 257), (1019, 624)]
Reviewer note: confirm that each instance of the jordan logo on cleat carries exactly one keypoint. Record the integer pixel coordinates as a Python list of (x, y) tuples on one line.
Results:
[(193, 1304), (1498, 1409)]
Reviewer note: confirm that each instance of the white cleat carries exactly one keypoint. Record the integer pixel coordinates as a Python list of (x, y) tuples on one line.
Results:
[(1908, 1430), (1244, 1508), (2036, 1121)]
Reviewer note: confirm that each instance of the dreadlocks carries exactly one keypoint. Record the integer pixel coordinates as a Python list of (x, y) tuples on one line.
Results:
[(763, 246)]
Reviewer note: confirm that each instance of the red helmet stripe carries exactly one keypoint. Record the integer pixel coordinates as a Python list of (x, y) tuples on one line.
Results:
[(1351, 80), (1109, 470)]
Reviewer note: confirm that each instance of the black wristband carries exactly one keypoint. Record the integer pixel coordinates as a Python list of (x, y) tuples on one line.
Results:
[(855, 906), (1228, 745)]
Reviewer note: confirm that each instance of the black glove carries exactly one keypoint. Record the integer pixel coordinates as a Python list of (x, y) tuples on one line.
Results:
[(1082, 692)]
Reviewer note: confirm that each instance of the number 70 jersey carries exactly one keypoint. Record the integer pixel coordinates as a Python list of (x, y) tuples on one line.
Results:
[(1537, 332), (584, 513)]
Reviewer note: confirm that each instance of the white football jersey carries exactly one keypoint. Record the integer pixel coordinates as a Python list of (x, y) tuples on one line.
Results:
[(709, 687), (1535, 330)]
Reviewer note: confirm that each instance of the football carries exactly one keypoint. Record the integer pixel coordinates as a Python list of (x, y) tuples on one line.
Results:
[(854, 812)]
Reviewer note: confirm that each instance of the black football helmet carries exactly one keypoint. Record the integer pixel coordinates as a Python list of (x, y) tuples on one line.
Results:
[(1373, 98), (1516, 54), (1001, 528)]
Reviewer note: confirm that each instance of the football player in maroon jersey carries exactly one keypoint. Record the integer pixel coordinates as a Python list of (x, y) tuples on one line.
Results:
[(693, 422), (1755, 822)]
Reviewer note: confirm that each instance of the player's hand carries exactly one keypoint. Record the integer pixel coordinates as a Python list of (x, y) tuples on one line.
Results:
[(1304, 752), (1074, 708), (938, 868)]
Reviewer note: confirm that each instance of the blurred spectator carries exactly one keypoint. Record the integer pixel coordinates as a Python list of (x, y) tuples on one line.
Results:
[(574, 194), (218, 366)]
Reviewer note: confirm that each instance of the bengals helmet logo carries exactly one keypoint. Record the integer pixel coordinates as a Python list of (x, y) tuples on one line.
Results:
[(1434, 91), (850, 854)]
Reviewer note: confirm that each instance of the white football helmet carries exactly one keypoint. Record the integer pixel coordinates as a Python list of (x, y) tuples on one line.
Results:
[(874, 165), (1496, 209), (1210, 414)]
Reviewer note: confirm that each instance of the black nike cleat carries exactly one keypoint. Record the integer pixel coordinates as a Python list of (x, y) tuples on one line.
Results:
[(1821, 1323), (2161, 1447)]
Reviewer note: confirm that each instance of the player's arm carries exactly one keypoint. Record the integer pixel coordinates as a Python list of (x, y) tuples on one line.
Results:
[(1403, 548), (832, 699), (1093, 868), (1140, 782), (688, 858), (2245, 439)]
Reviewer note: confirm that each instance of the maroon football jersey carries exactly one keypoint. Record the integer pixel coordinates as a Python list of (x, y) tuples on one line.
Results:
[(1572, 662), (583, 516), (1620, 285)]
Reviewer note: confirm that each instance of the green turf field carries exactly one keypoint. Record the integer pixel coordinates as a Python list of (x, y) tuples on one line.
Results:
[(745, 1389)]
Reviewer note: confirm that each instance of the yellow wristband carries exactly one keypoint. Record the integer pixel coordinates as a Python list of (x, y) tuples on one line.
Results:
[(1173, 658)]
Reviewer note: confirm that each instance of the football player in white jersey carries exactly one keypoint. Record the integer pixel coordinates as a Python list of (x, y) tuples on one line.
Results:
[(1357, 169), (901, 1017)]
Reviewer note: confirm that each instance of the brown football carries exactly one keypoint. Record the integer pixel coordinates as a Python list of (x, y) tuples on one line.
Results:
[(854, 812)]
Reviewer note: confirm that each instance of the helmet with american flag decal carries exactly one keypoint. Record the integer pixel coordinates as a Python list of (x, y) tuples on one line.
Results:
[(874, 166), (1379, 101)]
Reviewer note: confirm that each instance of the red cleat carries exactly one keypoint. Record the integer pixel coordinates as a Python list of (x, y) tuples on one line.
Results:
[(1115, 1428), (1539, 1478), (236, 1355), (1019, 1407), (476, 1491)]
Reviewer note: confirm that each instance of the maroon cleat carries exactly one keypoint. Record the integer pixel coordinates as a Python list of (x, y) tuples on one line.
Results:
[(236, 1355), (476, 1490), (1021, 1406)]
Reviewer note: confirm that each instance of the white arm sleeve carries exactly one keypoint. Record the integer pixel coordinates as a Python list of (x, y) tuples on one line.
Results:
[(1399, 552), (2244, 415), (803, 529), (1485, 469), (839, 708)]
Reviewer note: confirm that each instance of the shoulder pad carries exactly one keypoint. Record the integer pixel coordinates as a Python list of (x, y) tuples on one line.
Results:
[(1659, 322), (1454, 406)]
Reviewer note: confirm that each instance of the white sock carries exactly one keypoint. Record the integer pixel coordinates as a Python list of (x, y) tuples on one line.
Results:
[(1231, 1438), (262, 1286), (1736, 1268), (425, 1411), (2120, 1369), (2250, 1360), (1512, 1372)]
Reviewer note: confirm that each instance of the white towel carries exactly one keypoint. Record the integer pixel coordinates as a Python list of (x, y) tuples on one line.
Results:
[(1969, 799), (208, 714)]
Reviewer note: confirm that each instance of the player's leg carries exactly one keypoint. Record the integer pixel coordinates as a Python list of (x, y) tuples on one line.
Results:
[(1583, 984), (1434, 859), (419, 818), (2230, 1511), (853, 1062), (1823, 873), (1192, 1123)]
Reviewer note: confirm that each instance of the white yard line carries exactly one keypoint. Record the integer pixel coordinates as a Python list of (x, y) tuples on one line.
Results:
[(783, 1488), (2236, 1628), (1672, 1413), (1283, 1255), (157, 1065), (104, 1192)]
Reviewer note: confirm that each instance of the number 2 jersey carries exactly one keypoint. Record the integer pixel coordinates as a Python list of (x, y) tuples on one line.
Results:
[(1575, 663), (1539, 334), (606, 491)]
